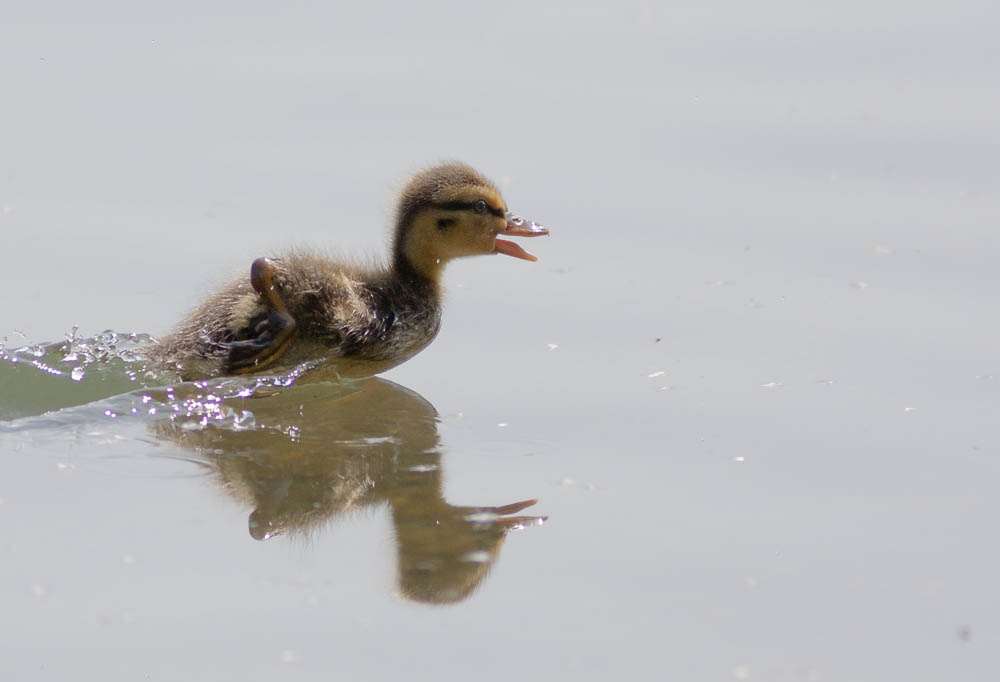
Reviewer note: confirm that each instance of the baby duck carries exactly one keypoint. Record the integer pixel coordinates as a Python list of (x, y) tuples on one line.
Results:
[(303, 306)]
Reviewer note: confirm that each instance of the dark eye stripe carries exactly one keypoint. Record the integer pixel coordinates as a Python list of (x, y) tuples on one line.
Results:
[(466, 206)]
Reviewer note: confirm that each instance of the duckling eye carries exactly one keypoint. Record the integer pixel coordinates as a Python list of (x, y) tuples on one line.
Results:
[(480, 206)]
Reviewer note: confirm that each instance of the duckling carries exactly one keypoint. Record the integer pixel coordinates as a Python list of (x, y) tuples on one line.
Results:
[(302, 305)]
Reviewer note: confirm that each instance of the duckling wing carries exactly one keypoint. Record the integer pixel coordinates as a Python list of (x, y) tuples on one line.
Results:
[(347, 316)]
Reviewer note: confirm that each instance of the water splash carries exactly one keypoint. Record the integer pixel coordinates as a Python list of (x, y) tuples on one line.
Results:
[(39, 378)]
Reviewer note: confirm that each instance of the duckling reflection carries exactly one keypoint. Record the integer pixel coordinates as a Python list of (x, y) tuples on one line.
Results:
[(316, 451)]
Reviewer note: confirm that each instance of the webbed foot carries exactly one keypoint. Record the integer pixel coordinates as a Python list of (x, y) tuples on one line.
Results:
[(271, 334)]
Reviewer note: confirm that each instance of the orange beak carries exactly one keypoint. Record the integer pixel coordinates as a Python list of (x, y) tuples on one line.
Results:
[(518, 227)]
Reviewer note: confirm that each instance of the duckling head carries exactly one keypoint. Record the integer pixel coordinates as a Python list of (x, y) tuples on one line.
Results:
[(451, 211)]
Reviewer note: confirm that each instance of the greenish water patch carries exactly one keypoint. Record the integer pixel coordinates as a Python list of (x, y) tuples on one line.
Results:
[(38, 378), (111, 368)]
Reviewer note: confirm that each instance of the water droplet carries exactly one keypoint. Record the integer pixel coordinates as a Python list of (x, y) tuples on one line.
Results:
[(481, 517), (478, 556), (77, 373), (525, 225)]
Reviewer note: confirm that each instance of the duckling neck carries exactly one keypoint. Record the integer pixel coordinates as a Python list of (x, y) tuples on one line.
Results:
[(415, 303), (419, 280), (413, 261)]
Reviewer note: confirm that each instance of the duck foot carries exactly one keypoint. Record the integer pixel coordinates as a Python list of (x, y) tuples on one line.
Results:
[(273, 332)]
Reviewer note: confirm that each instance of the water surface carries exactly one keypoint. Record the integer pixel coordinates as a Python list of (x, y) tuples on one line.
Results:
[(752, 382)]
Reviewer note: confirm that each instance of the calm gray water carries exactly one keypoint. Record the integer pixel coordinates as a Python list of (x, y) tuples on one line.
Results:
[(753, 382)]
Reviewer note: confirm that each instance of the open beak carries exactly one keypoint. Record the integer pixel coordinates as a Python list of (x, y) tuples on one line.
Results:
[(518, 227)]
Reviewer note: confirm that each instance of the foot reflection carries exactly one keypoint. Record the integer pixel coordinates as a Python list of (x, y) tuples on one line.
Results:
[(315, 451)]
